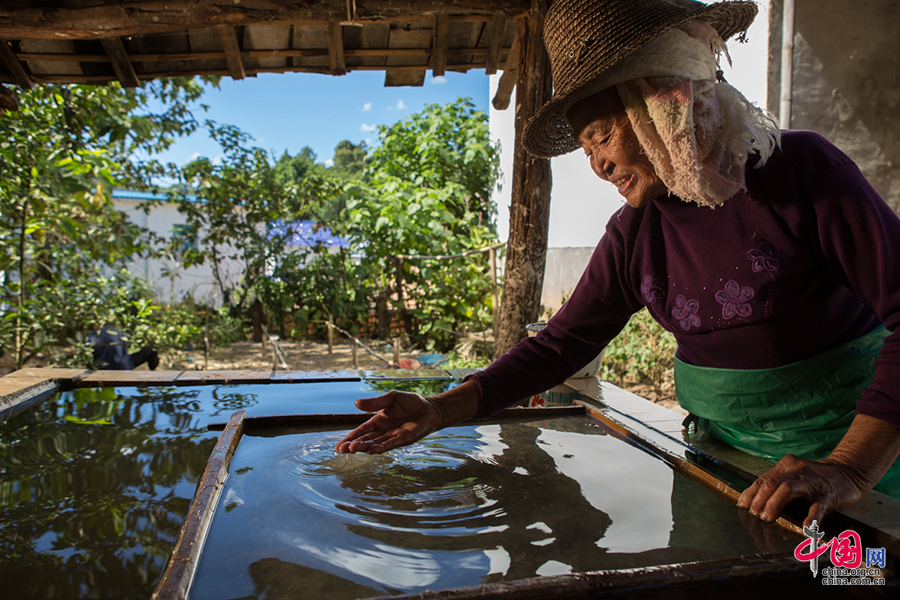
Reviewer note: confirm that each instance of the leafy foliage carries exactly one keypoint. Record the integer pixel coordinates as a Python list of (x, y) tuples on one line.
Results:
[(65, 251), (231, 208), (427, 193), (229, 205), (349, 160), (641, 353), (61, 154), (425, 190), (294, 169), (315, 286)]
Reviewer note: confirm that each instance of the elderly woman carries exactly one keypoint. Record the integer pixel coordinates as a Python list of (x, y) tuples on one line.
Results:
[(768, 256)]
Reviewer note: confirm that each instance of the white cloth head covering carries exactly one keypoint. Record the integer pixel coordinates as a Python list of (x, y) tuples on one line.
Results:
[(698, 133)]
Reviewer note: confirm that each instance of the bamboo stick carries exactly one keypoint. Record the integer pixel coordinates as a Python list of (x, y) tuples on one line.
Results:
[(176, 579), (356, 340)]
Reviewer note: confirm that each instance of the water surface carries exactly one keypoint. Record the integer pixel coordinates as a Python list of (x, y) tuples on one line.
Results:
[(468, 505), (94, 483)]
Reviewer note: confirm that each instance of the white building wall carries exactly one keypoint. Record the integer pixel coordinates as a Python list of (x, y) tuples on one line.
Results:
[(564, 269), (170, 281)]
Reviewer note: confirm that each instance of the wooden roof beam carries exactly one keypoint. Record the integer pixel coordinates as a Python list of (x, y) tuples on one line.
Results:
[(115, 50), (141, 17), (336, 48), (232, 51), (439, 45), (219, 55), (507, 82), (19, 76), (498, 24), (104, 79)]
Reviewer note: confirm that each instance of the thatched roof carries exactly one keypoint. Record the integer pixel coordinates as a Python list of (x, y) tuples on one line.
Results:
[(97, 41)]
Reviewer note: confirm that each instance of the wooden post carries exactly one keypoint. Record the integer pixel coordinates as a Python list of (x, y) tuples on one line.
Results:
[(355, 354), (336, 48), (205, 342), (15, 68), (232, 49), (496, 293), (330, 327), (405, 317), (396, 352), (122, 66), (526, 250), (498, 23)]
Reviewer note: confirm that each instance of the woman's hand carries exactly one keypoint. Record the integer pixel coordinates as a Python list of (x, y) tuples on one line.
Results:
[(863, 456), (404, 418), (827, 485)]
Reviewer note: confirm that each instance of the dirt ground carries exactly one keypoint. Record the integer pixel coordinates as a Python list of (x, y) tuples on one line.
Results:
[(314, 356), (300, 356)]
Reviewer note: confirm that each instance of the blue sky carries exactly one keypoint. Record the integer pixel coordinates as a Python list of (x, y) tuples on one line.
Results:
[(290, 111)]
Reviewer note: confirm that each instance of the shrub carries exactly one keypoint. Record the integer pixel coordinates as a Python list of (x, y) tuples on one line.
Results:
[(642, 353)]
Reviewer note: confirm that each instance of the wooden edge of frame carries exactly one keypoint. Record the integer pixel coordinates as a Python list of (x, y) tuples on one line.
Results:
[(20, 394), (253, 425), (720, 488), (660, 581), (179, 573)]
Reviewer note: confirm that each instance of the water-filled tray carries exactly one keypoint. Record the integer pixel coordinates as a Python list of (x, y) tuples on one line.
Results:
[(536, 493)]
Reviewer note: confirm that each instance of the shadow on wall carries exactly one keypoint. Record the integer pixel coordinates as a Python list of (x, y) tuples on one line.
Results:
[(846, 78)]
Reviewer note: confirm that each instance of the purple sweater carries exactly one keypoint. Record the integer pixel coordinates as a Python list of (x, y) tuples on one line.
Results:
[(807, 259)]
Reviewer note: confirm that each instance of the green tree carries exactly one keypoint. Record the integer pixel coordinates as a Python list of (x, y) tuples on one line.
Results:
[(294, 169), (238, 220), (349, 159), (440, 147), (61, 154), (427, 192), (302, 171)]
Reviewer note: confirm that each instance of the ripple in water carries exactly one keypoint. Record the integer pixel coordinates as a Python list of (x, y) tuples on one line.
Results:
[(473, 504), (427, 486)]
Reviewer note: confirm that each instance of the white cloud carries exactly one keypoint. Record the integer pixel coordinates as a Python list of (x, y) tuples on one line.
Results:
[(329, 163), (440, 80), (368, 128), (217, 160), (401, 105), (194, 156), (367, 107)]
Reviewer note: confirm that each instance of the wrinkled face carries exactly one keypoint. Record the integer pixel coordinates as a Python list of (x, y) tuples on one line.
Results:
[(604, 132)]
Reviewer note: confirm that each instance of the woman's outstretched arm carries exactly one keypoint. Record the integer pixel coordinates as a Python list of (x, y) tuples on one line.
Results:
[(403, 418)]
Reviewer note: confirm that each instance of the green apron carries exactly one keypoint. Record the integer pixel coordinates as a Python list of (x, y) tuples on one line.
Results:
[(803, 408)]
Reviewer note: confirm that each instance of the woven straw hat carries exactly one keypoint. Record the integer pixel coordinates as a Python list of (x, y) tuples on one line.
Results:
[(585, 38)]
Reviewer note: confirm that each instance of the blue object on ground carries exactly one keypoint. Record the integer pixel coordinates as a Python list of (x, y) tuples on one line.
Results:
[(431, 360)]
